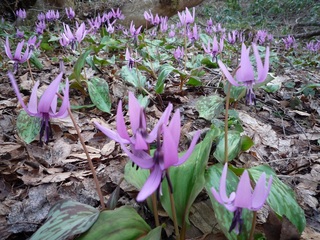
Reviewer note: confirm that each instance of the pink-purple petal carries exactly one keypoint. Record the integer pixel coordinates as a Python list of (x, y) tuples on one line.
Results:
[(170, 149), (260, 192), (227, 73), (142, 159), (135, 112), (7, 49), (243, 194), (190, 149), (223, 186), (63, 111), (175, 127), (121, 126), (151, 185), (49, 94)]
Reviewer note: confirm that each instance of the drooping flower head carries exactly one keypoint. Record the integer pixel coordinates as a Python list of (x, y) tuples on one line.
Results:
[(52, 15), (245, 75), (244, 197), (131, 60), (216, 48), (46, 108), (178, 53), (289, 42), (18, 57), (33, 44), (40, 27), (186, 18)]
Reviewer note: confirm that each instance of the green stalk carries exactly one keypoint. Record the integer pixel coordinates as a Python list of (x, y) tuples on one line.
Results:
[(251, 237)]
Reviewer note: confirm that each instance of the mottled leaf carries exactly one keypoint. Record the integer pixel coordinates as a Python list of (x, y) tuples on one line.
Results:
[(99, 93), (80, 64), (66, 219), (133, 76), (121, 223), (246, 143), (210, 107), (234, 147), (164, 71), (281, 198), (223, 216), (154, 234), (28, 127)]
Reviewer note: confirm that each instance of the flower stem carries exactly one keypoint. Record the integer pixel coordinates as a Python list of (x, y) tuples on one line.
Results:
[(103, 206), (173, 208), (28, 61), (254, 218), (226, 125), (155, 209)]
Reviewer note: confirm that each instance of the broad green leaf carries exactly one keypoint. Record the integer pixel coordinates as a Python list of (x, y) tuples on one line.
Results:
[(99, 93), (210, 107), (154, 234), (209, 63), (66, 218), (188, 180), (281, 198), (164, 71), (118, 224), (234, 147), (236, 93), (54, 38), (271, 88), (246, 143), (35, 61), (80, 64), (194, 81), (133, 76), (223, 216), (28, 127)]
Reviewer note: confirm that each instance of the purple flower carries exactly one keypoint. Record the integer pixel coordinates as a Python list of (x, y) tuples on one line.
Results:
[(70, 13), (193, 35), (178, 53), (218, 28), (95, 24), (130, 59), (245, 75), (216, 48), (289, 42), (165, 156), (41, 17), (67, 37), (32, 43), (186, 18), (232, 37), (117, 14), (243, 197), (19, 34), (18, 57), (21, 13), (209, 23), (261, 36), (51, 15), (163, 24), (134, 32), (40, 27), (46, 108)]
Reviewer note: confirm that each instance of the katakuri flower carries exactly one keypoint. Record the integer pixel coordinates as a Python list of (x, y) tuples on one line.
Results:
[(165, 156), (216, 48), (131, 60), (245, 75), (21, 13), (18, 57), (46, 108), (244, 197), (70, 13), (186, 18)]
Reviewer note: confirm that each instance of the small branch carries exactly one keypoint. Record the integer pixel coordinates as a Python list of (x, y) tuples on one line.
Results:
[(302, 35)]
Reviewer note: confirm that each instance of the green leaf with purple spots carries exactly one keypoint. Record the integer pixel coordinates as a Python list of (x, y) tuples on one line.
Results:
[(28, 127)]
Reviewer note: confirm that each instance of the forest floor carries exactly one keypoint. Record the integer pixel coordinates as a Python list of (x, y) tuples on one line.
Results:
[(284, 125)]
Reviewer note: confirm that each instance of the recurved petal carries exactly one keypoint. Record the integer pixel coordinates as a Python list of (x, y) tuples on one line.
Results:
[(121, 126), (175, 128), (162, 121), (151, 185), (245, 72), (223, 186), (17, 54), (16, 90), (243, 197), (7, 48), (170, 149), (227, 74), (63, 111), (134, 112), (49, 94), (33, 102), (190, 149), (261, 192), (111, 134)]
